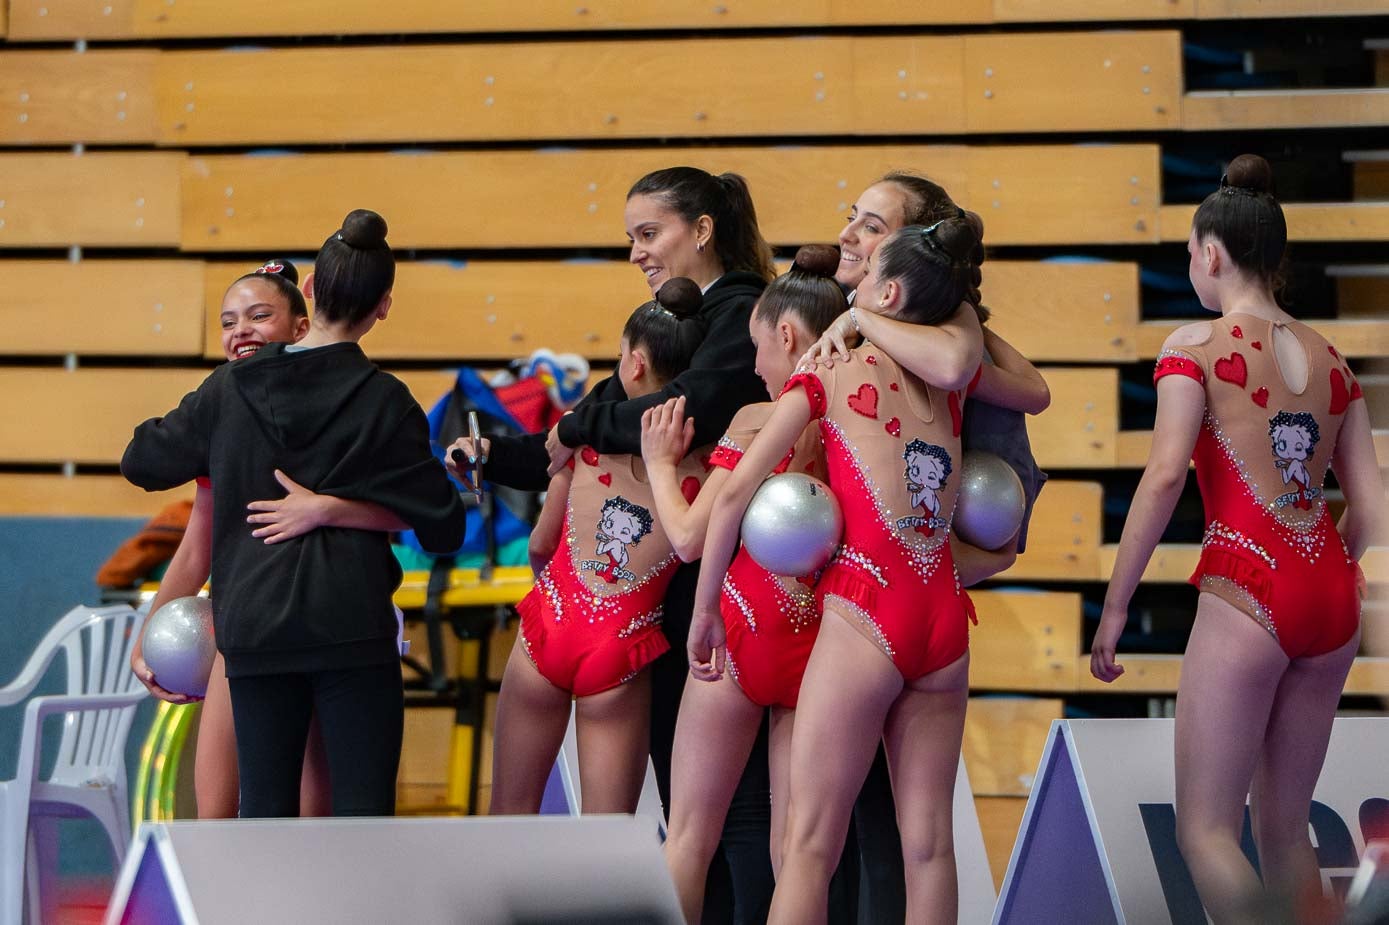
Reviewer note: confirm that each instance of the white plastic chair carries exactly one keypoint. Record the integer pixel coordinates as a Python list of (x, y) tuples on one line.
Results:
[(89, 777)]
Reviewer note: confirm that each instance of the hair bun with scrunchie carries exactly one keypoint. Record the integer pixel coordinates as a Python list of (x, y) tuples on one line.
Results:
[(681, 297), (279, 266)]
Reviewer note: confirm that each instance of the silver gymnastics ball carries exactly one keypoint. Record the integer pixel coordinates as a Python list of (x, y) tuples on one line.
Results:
[(179, 646), (991, 503), (793, 524)]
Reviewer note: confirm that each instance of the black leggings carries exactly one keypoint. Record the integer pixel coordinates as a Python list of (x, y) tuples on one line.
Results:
[(361, 712)]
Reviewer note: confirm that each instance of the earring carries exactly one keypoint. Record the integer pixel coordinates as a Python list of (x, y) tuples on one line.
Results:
[(699, 246)]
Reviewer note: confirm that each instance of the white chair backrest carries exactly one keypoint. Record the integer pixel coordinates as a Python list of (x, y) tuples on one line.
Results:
[(96, 644)]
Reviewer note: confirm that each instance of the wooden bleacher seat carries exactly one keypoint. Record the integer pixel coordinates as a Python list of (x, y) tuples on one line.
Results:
[(1100, 302), (1050, 82), (1362, 290), (1369, 173), (1229, 110), (43, 495), (98, 199), (60, 97), (1064, 536), (1241, 9), (143, 308), (1026, 194), (1004, 738), (1307, 221), (130, 19), (1355, 338), (1025, 640), (1080, 428)]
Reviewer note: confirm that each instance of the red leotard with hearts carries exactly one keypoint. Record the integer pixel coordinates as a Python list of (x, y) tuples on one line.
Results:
[(1271, 548), (593, 619), (892, 448), (770, 621)]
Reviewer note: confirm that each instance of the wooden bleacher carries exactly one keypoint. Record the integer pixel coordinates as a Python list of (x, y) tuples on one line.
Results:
[(197, 157)]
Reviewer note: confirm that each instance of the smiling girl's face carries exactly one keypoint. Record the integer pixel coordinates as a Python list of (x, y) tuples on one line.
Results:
[(254, 314)]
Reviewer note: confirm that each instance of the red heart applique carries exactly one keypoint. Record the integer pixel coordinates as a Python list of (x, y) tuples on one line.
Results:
[(1355, 390), (1333, 351), (1236, 333), (1260, 397), (810, 466), (893, 427), (606, 478), (893, 386), (1232, 369), (956, 417), (865, 401), (589, 455), (689, 488), (1340, 395), (1256, 345), (871, 360), (707, 461)]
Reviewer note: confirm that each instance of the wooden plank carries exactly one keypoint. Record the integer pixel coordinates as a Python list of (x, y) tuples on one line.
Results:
[(102, 308), (1004, 739), (1361, 292), (1076, 81), (1370, 179), (1000, 821), (116, 200), (1242, 9), (1307, 221), (63, 97), (500, 309), (86, 415), (1080, 428), (128, 19), (914, 84), (1086, 10), (41, 495), (1228, 110), (1135, 446), (1025, 640), (1119, 184), (1064, 535), (292, 202), (1100, 302), (510, 91), (1354, 338)]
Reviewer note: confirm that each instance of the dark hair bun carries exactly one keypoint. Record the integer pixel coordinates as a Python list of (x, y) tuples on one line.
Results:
[(1251, 172), (681, 297), (279, 266), (364, 230), (817, 260), (960, 237)]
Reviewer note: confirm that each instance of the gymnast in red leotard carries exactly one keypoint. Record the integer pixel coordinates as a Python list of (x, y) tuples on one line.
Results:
[(1264, 405), (591, 626), (770, 621), (891, 658)]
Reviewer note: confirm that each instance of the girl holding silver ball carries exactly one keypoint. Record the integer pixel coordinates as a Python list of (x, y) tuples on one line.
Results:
[(1009, 387), (891, 660), (770, 621), (259, 308)]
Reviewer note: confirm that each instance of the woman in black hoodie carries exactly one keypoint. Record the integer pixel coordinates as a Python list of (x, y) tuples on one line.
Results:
[(682, 221), (307, 625)]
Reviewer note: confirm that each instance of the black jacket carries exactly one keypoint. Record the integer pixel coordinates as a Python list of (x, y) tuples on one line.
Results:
[(339, 426), (720, 380)]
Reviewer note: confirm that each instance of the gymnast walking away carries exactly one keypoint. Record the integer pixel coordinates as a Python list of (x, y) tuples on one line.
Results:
[(1264, 406)]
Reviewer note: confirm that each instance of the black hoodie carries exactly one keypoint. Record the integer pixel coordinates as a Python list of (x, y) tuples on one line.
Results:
[(720, 380), (337, 425)]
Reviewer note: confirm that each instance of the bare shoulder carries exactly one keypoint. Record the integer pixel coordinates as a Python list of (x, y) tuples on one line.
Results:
[(1189, 335)]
